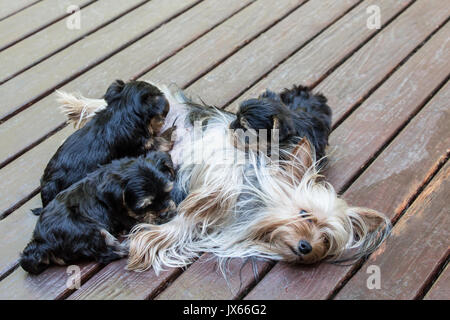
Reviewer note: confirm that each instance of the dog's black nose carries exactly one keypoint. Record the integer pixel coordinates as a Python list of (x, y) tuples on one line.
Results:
[(304, 247)]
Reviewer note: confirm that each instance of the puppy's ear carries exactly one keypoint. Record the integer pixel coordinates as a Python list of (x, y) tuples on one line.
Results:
[(166, 165), (300, 159), (114, 91), (285, 127), (269, 95), (168, 187)]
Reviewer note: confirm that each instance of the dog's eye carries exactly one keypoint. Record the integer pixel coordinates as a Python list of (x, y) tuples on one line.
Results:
[(305, 214)]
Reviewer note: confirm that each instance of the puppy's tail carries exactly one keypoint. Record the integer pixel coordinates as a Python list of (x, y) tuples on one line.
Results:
[(34, 258), (77, 108)]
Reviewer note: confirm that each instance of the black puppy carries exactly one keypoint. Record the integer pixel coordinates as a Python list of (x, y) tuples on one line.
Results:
[(295, 113), (134, 114), (82, 222)]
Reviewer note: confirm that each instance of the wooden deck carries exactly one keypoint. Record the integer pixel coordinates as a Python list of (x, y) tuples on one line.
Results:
[(388, 89)]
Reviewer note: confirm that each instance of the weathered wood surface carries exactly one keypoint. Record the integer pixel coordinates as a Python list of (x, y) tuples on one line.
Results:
[(241, 70), (418, 246), (46, 42), (12, 241), (205, 53), (35, 18), (326, 52), (44, 77), (8, 7), (441, 288), (51, 284), (113, 282)]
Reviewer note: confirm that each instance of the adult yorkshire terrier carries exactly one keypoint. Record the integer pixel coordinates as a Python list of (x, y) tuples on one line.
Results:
[(82, 222), (245, 203), (132, 114)]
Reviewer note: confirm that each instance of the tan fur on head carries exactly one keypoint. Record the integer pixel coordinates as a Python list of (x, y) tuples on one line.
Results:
[(78, 109)]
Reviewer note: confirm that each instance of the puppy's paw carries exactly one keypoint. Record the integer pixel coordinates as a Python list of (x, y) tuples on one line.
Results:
[(117, 248)]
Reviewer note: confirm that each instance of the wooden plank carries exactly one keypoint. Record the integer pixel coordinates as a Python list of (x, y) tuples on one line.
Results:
[(373, 62), (441, 288), (312, 63), (21, 177), (235, 266), (34, 18), (114, 283), (51, 284), (406, 90), (209, 50), (419, 244), (57, 36), (387, 185), (86, 53), (12, 242), (8, 7), (239, 71), (23, 130), (203, 280)]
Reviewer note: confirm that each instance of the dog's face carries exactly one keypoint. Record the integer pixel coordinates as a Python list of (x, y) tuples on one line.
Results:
[(264, 113), (143, 99), (150, 189), (316, 226), (304, 220)]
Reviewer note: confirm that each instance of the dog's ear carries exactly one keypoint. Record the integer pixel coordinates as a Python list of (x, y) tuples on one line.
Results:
[(368, 219), (166, 166), (370, 228), (267, 94), (114, 91), (285, 127), (299, 160)]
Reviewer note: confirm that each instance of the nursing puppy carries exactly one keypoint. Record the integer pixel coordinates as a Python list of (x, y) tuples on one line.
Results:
[(83, 221), (294, 113), (260, 207), (125, 127)]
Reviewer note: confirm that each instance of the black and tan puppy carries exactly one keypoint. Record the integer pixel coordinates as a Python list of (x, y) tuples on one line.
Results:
[(295, 113), (83, 221), (127, 127)]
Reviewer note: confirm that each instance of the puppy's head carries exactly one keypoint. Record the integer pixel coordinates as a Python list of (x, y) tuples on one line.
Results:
[(266, 112), (34, 258), (142, 99), (150, 186)]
